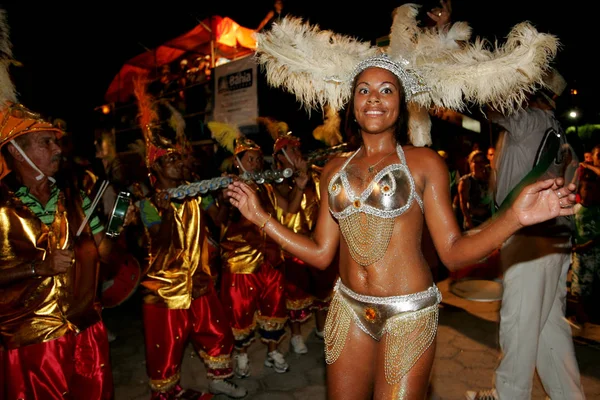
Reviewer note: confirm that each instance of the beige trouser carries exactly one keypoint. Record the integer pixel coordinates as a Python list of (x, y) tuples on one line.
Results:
[(533, 331)]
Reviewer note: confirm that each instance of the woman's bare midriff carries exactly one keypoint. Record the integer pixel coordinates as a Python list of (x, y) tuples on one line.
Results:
[(402, 270)]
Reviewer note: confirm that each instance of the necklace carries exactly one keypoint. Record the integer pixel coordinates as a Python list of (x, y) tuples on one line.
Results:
[(372, 167)]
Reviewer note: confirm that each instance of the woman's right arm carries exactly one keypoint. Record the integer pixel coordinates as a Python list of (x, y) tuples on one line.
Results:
[(318, 250)]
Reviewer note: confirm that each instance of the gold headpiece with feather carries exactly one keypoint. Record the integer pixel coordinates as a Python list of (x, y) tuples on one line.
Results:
[(225, 134), (318, 66), (329, 132), (156, 146), (279, 132)]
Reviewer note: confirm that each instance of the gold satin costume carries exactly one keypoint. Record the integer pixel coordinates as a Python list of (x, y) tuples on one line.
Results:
[(243, 246), (304, 221), (306, 288), (175, 254), (252, 285), (40, 309)]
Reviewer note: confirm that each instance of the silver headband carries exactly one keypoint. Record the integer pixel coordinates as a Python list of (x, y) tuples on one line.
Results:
[(412, 83)]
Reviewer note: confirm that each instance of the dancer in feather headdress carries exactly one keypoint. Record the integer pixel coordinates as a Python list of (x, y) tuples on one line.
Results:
[(180, 300), (382, 321)]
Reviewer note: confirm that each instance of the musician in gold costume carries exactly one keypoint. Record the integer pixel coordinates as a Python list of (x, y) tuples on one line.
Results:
[(180, 303), (308, 289), (252, 285), (53, 342)]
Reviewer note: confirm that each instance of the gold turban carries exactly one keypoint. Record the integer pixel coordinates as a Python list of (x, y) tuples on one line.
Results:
[(15, 121)]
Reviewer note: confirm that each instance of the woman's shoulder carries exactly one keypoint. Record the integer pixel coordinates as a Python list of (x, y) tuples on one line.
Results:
[(422, 157), (333, 165)]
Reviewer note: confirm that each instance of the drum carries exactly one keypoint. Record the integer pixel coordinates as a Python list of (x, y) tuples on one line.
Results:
[(479, 282), (123, 283), (117, 215)]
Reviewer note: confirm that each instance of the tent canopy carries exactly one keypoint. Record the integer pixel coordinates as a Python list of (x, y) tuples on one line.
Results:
[(230, 40)]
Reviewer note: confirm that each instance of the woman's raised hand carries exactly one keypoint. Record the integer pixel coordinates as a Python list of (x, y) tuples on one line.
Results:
[(244, 198), (544, 200)]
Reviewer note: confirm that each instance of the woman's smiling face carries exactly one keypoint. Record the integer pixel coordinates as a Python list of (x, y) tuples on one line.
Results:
[(377, 100)]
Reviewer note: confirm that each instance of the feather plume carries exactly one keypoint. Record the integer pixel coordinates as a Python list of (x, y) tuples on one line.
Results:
[(7, 87), (317, 65), (274, 127), (176, 122), (419, 125), (225, 134), (138, 147), (147, 113), (404, 29), (309, 62), (329, 131), (461, 73)]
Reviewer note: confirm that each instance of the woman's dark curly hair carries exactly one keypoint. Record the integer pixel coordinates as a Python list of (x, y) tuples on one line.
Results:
[(352, 130)]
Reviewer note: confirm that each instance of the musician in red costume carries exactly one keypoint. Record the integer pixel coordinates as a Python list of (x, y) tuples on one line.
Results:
[(180, 302), (308, 290), (252, 285)]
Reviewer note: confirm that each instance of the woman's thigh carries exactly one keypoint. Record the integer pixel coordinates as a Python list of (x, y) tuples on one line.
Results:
[(351, 376), (413, 386)]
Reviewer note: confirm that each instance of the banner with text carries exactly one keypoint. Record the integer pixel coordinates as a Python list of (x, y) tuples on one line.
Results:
[(236, 92)]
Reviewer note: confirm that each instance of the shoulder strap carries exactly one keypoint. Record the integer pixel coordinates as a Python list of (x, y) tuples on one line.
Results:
[(548, 152)]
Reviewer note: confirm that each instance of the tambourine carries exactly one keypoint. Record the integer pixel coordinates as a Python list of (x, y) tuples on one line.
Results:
[(117, 216)]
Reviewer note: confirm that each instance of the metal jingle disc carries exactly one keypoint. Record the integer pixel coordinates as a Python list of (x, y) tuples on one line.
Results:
[(246, 176), (203, 187), (224, 181), (269, 174)]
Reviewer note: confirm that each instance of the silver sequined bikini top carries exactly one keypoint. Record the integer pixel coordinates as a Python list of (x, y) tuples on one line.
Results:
[(388, 195)]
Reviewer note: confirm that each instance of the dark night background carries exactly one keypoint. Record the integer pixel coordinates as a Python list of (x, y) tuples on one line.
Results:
[(71, 51)]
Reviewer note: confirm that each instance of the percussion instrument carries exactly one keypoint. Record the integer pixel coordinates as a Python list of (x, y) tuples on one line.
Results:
[(202, 187), (123, 282), (117, 215), (269, 175), (480, 281)]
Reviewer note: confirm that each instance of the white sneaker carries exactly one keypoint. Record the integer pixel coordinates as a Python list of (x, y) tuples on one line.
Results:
[(320, 334), (298, 345), (221, 386), (276, 361), (242, 365)]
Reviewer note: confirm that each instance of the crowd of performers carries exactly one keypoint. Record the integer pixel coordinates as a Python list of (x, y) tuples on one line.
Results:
[(207, 275)]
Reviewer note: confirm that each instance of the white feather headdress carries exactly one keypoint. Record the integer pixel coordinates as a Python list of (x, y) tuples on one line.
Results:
[(437, 68), (8, 92)]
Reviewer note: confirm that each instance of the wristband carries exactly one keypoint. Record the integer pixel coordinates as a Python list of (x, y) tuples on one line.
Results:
[(265, 223)]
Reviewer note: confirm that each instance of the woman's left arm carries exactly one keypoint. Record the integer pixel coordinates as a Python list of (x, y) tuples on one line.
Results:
[(537, 202)]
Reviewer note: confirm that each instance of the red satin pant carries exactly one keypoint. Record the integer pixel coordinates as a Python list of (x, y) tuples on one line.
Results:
[(167, 332), (71, 367), (261, 293)]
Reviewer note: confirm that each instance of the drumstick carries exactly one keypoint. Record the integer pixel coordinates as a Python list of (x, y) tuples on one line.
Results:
[(103, 187)]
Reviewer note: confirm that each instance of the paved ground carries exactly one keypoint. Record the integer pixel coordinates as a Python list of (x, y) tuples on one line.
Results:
[(467, 353)]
